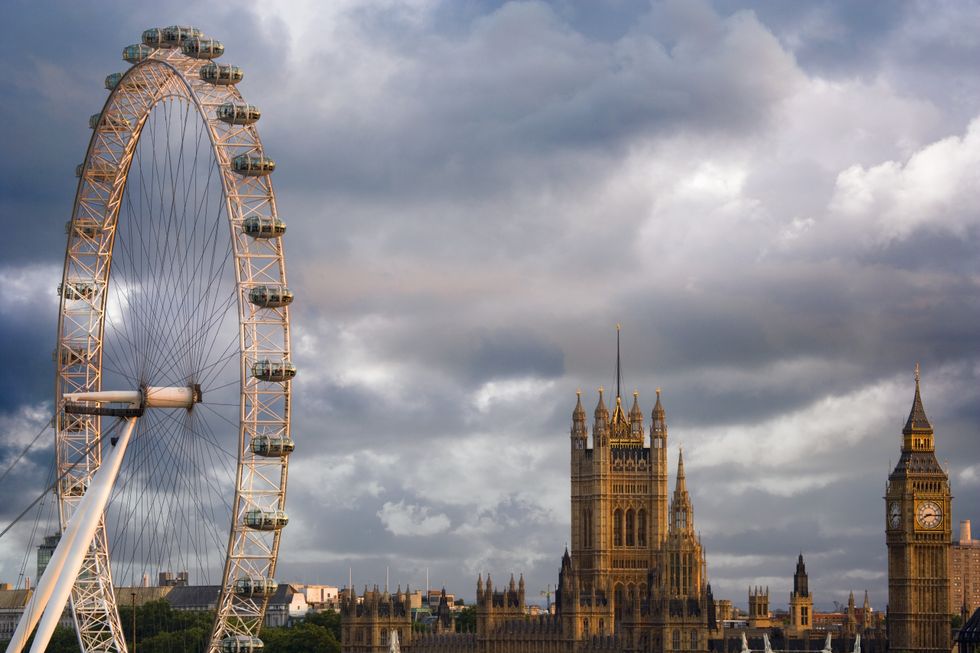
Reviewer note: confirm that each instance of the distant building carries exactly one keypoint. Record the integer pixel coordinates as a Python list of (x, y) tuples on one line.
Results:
[(44, 552), (321, 597), (964, 573)]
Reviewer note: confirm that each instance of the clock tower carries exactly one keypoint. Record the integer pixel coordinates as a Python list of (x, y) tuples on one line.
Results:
[(918, 535)]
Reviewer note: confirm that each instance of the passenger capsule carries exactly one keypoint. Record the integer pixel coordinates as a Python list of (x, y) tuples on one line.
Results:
[(153, 38), (136, 53), (75, 290), (221, 73), (274, 371), (270, 296), (203, 48), (249, 586), (134, 83), (252, 165), (241, 644), (272, 446), (112, 81), (238, 114), (263, 226), (110, 121), (176, 35), (265, 520)]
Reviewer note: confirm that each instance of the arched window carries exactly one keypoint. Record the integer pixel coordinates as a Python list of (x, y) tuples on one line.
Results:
[(641, 527), (676, 640), (694, 640), (602, 627), (585, 625), (618, 528), (630, 528)]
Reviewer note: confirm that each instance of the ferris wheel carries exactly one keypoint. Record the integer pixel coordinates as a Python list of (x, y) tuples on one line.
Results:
[(173, 352)]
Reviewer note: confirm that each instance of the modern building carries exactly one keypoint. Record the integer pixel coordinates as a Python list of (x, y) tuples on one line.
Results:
[(964, 573), (918, 536)]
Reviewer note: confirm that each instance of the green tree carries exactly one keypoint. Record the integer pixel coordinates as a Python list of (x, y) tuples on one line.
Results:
[(304, 637), (466, 620)]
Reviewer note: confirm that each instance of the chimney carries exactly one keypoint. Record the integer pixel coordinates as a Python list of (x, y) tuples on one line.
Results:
[(965, 531), (146, 580)]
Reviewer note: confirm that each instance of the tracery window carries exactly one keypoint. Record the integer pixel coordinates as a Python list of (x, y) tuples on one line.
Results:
[(618, 528), (630, 523)]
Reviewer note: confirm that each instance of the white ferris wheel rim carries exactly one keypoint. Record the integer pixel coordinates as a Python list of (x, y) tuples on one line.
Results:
[(263, 327)]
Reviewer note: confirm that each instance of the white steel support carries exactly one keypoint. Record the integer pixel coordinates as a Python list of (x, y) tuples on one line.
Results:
[(86, 519)]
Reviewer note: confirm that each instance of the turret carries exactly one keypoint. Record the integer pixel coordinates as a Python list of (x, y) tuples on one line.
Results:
[(636, 417), (800, 579), (579, 432), (682, 517), (600, 430), (658, 425)]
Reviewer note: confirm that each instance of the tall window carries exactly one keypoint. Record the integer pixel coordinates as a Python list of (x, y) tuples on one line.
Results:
[(618, 528), (641, 527), (587, 527), (630, 527), (694, 640), (676, 640), (804, 616)]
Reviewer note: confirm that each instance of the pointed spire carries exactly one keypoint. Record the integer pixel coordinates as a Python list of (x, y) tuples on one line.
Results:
[(867, 602), (479, 584), (578, 415), (658, 425), (619, 368), (601, 412), (635, 413), (681, 487), (917, 420)]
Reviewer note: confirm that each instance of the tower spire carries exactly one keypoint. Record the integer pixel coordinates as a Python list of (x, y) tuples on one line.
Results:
[(619, 368)]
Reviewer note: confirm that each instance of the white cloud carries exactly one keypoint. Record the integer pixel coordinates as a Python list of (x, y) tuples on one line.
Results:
[(411, 519)]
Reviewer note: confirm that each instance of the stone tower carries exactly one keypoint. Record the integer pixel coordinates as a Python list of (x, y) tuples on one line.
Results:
[(618, 496), (759, 608), (918, 535), (800, 601)]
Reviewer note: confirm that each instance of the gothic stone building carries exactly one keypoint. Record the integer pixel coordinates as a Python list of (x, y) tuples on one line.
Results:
[(918, 534), (635, 579)]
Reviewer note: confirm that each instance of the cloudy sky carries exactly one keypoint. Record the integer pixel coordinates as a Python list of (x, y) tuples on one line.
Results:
[(776, 200)]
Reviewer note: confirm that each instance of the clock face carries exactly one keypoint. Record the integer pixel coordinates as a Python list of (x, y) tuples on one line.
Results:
[(929, 514), (894, 514)]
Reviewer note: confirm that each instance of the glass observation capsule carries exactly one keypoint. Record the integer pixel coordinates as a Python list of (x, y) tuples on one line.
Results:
[(75, 290), (136, 53), (153, 37), (241, 644), (270, 296), (84, 227), (110, 121), (265, 520), (249, 586), (262, 226), (97, 170), (275, 371), (274, 446), (201, 47), (221, 73), (136, 83), (238, 114), (176, 35), (253, 165)]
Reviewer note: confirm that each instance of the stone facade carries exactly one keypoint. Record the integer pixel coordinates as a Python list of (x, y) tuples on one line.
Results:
[(918, 535)]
